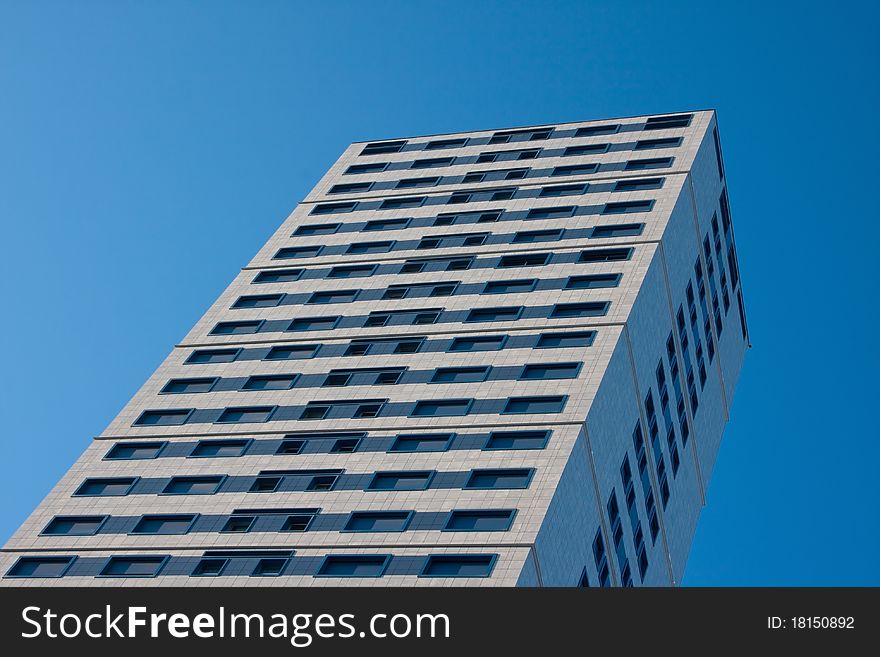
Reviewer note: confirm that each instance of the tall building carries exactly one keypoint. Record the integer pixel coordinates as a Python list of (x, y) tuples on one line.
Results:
[(491, 358)]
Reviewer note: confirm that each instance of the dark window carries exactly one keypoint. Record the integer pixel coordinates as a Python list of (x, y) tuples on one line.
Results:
[(291, 446), (196, 485), (448, 565), (634, 184), (313, 324), (551, 213), (671, 121), (605, 255), (432, 162), (133, 566), (460, 374), (186, 386), (246, 414), (345, 446), (666, 142), (627, 206), (258, 301), (317, 229), (278, 276), (74, 525), (212, 356), (378, 521), (584, 309), (334, 208), (591, 281), (298, 522), (650, 163), (575, 169), (405, 480), (265, 484), (507, 314), (374, 167), (585, 149), (517, 440), (238, 525), (482, 343), (269, 567), (479, 521), (270, 382), (441, 408), (563, 190), (421, 442), (370, 247), (291, 353), (396, 203), (532, 236), (446, 143), (291, 252), (105, 486), (382, 224), (525, 260), (220, 447), (352, 565), (546, 404), (236, 328), (589, 131), (549, 371), (509, 287), (500, 478), (164, 524), (334, 296), (163, 418), (323, 482), (315, 411), (352, 271), (349, 188), (133, 451), (209, 567), (620, 230), (409, 183), (564, 340), (383, 147)]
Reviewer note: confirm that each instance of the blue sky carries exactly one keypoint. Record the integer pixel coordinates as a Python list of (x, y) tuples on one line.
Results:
[(148, 149)]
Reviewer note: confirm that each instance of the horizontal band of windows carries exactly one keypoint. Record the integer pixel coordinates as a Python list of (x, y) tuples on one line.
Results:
[(365, 376), (479, 195), (360, 409), (252, 563), (323, 442), (289, 481), (416, 317), (433, 290)]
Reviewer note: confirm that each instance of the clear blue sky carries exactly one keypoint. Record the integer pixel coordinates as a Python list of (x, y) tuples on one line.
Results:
[(147, 149)]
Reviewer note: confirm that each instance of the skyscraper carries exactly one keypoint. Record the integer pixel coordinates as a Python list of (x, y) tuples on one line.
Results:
[(500, 357)]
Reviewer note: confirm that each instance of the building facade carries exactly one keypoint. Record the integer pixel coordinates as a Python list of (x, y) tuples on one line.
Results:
[(494, 358)]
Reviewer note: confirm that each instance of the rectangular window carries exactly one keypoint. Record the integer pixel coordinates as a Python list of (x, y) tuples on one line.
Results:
[(533, 236), (292, 352), (164, 524), (334, 208), (378, 147), (220, 447), (410, 183), (446, 143), (203, 356), (270, 567), (449, 565), (386, 224), (479, 521), (264, 484), (350, 188), (374, 167), (548, 371), (334, 296), (619, 230), (291, 252), (529, 134), (575, 169), (649, 163), (105, 487), (298, 522), (482, 343), (565, 340), (397, 203), (196, 485), (421, 442), (135, 451), (405, 480), (352, 271), (562, 190), (258, 301), (323, 482), (163, 418), (378, 521), (236, 328), (239, 414), (605, 255), (517, 440), (591, 281), (584, 309), (189, 386), (635, 184), (507, 314), (345, 446), (238, 525), (521, 285), (592, 130), (209, 567), (313, 324), (291, 446), (546, 404), (627, 206), (460, 374), (525, 260), (40, 567), (671, 121), (441, 408), (500, 479), (551, 213), (666, 142), (369, 247), (315, 411), (278, 276), (74, 525), (430, 163), (354, 565), (146, 566), (317, 229), (586, 149)]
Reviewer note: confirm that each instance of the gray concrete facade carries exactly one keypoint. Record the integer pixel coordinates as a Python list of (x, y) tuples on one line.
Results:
[(492, 358)]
